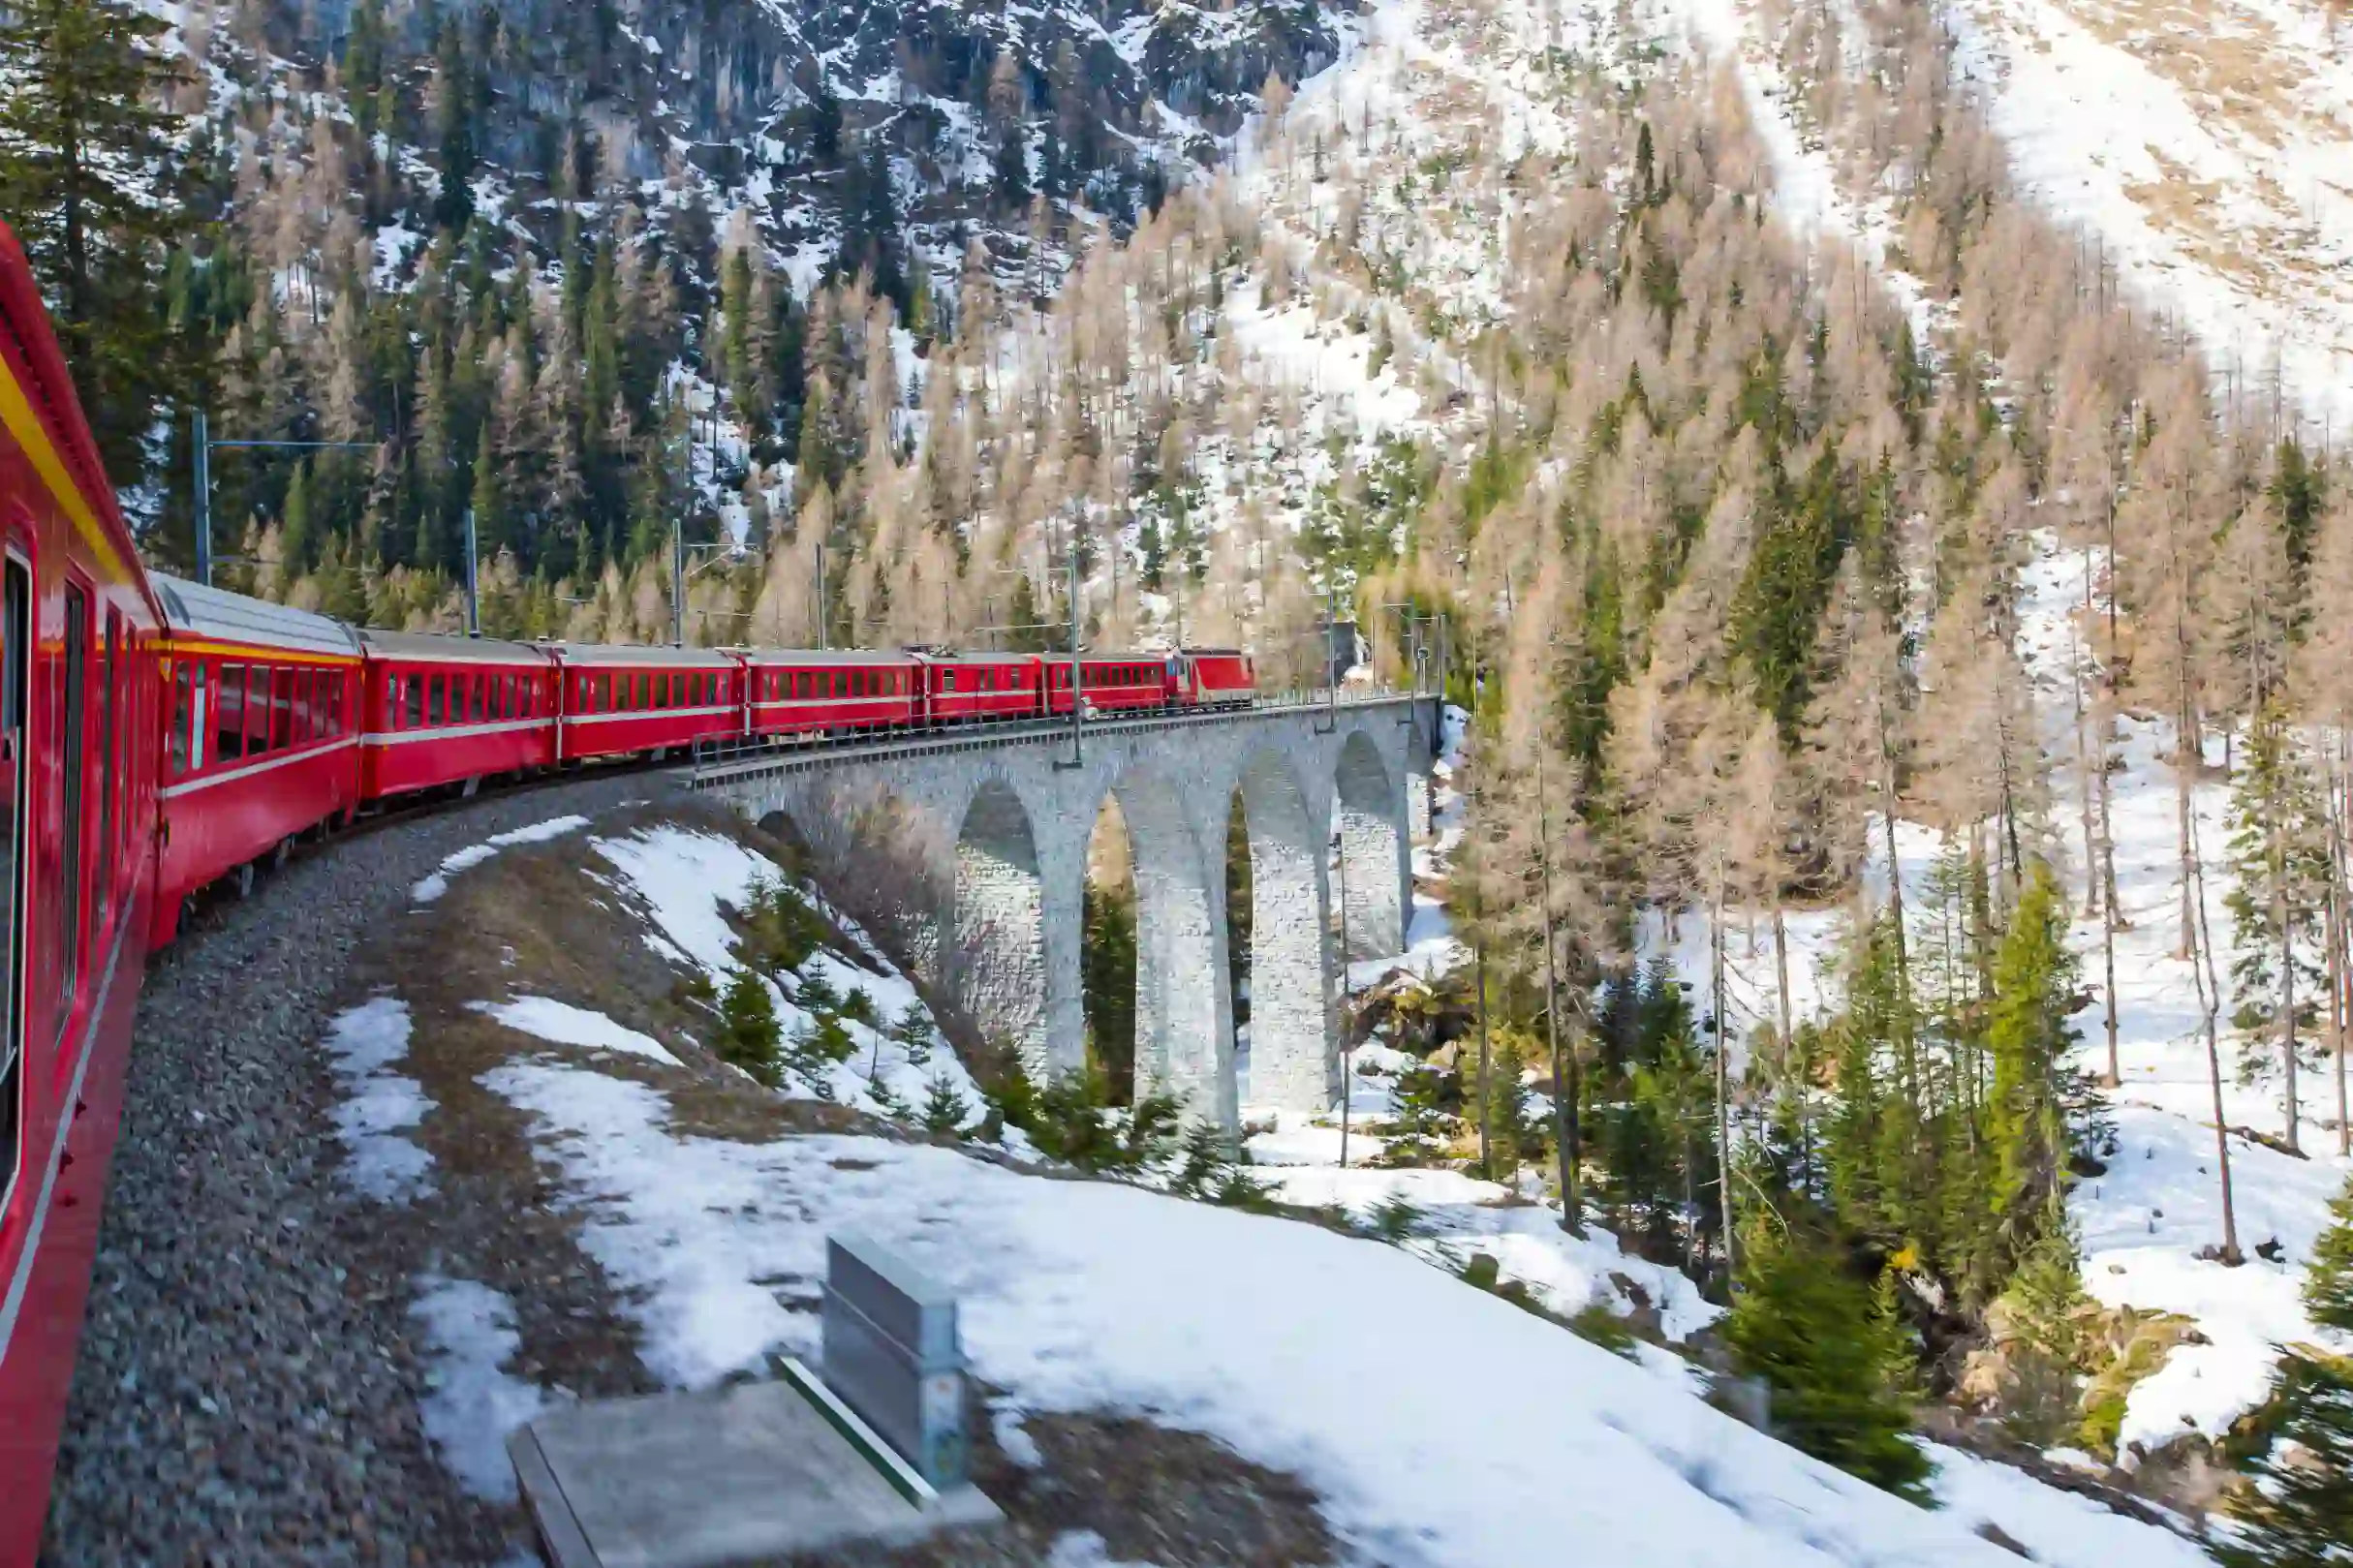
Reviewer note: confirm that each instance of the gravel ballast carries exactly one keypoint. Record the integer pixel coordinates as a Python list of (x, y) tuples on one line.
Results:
[(249, 1381)]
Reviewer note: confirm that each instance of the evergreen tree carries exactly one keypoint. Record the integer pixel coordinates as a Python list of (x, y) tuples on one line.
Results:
[(453, 127), (2280, 879), (2279, 894), (2301, 1513), (90, 184), (2327, 1284), (1107, 977), (1009, 182), (2029, 1035), (750, 1035), (1830, 1352)]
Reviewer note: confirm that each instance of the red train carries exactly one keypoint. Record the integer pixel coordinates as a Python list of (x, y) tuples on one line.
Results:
[(159, 735), (81, 721), (285, 723)]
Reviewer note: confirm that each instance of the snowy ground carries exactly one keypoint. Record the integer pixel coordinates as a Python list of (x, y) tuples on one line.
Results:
[(2208, 144), (1304, 1350)]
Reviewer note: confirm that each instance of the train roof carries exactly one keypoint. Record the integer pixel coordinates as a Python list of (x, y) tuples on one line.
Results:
[(656, 653), (194, 610), (427, 647), (962, 656), (30, 356), (826, 656)]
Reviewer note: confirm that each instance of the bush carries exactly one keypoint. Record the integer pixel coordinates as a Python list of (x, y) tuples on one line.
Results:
[(1199, 1158), (1395, 1218), (785, 932), (1599, 1325)]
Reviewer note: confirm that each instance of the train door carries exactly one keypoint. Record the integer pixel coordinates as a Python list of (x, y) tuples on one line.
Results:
[(15, 649)]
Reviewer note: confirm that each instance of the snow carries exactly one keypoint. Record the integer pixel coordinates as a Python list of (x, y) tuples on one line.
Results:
[(2206, 147), (1276, 1337), (435, 885), (379, 1104), (471, 1405), (1804, 183), (566, 1025), (1460, 1214), (2059, 1527)]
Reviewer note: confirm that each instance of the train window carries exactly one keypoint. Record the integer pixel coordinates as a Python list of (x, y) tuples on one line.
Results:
[(417, 702), (228, 715), (107, 731), (436, 704), (304, 693), (15, 649), (391, 699), (604, 694), (73, 759), (183, 690), (480, 704)]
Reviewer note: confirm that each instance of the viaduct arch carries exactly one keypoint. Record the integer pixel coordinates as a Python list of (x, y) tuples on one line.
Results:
[(982, 844)]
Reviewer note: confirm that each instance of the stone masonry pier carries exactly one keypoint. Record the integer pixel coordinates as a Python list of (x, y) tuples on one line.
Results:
[(989, 832)]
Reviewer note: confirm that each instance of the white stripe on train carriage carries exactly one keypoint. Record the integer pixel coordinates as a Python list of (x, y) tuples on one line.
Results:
[(731, 710), (13, 1305), (288, 759), (408, 737)]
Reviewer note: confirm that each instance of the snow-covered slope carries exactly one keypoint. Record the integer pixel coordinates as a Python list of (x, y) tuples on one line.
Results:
[(2208, 144), (1440, 1425)]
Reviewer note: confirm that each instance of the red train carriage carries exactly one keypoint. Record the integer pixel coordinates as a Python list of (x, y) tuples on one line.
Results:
[(621, 701), (1129, 683), (1118, 683), (965, 689), (263, 732), (452, 710), (80, 715), (1218, 678), (810, 693)]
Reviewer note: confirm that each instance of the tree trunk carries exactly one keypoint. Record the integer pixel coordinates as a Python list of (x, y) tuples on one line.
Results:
[(1565, 1144), (2210, 1003), (1780, 965), (1724, 1084), (2287, 973), (1486, 1100), (2339, 977)]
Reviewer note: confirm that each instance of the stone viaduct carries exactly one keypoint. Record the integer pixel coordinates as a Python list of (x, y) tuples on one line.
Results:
[(993, 828)]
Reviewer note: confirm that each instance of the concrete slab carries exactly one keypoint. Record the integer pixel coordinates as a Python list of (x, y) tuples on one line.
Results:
[(750, 1474)]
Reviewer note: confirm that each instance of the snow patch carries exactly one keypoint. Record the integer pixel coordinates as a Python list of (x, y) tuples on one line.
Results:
[(563, 1023), (379, 1104)]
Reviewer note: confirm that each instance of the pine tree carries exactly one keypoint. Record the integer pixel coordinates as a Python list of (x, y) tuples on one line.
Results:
[(750, 1035), (2328, 1284), (2280, 876), (90, 184), (1830, 1352), (2301, 1514), (2028, 1036)]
